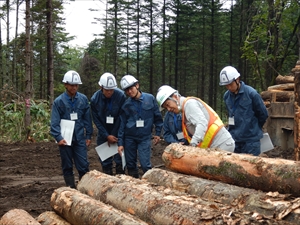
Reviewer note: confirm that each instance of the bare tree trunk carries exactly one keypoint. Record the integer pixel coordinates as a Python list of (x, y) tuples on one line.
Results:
[(50, 73), (297, 112), (1, 60), (7, 55), (51, 218), (79, 209), (266, 174), (28, 81), (268, 204), (156, 205), (18, 217), (14, 76)]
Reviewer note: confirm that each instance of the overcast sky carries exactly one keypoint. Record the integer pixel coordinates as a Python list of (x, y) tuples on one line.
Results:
[(80, 20)]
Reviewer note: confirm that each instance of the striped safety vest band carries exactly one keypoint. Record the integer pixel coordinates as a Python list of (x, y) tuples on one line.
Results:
[(214, 125)]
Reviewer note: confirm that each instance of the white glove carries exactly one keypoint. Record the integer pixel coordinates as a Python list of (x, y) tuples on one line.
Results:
[(193, 144)]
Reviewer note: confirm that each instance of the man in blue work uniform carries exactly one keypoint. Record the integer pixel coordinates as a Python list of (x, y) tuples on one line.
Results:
[(106, 105), (140, 113), (74, 106), (247, 112), (172, 129)]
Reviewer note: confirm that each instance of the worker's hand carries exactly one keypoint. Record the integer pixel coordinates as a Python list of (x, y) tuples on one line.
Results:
[(193, 144), (88, 142), (120, 150), (156, 139), (111, 139), (62, 142)]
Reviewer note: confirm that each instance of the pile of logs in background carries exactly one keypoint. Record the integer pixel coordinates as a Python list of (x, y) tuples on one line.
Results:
[(205, 196), (286, 91)]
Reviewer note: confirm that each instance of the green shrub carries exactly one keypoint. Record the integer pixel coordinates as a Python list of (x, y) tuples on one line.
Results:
[(12, 128)]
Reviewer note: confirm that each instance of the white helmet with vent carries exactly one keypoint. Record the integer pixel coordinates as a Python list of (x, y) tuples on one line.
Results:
[(71, 77), (227, 75), (108, 81), (164, 92), (127, 81)]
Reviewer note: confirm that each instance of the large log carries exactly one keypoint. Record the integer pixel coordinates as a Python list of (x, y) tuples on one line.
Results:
[(269, 204), (265, 174), (160, 207), (18, 217), (277, 95), (51, 218), (285, 87), (284, 79), (79, 209)]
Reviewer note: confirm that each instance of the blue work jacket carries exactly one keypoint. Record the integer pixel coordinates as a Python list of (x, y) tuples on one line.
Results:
[(146, 108), (172, 126), (249, 113), (103, 107), (62, 108)]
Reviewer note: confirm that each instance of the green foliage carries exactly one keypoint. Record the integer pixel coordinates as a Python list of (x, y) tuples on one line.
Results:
[(12, 128)]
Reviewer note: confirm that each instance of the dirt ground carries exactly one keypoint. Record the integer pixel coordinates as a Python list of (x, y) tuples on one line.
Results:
[(30, 172)]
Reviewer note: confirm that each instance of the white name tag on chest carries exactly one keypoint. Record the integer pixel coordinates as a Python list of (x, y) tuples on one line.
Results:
[(140, 123)]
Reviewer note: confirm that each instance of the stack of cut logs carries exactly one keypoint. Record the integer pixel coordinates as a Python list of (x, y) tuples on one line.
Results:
[(219, 188), (282, 92)]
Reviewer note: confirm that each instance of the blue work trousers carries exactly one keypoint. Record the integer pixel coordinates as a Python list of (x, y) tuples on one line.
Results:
[(76, 152), (251, 147), (138, 148), (107, 163)]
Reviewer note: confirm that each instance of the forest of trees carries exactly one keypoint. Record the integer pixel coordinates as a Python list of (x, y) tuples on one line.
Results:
[(183, 43)]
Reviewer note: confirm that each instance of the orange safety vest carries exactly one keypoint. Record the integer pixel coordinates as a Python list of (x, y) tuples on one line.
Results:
[(214, 125)]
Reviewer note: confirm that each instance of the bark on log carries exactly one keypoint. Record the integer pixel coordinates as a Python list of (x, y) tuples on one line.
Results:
[(277, 95), (51, 218), (265, 174), (297, 112), (284, 79), (18, 217), (158, 207), (268, 204), (284, 87), (79, 209)]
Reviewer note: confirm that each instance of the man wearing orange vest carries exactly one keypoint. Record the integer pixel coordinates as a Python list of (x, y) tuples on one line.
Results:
[(201, 125)]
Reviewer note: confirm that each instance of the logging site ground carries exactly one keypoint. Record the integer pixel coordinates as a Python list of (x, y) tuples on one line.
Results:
[(30, 172)]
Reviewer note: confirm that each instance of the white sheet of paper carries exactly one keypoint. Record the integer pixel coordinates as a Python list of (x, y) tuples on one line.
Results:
[(67, 129), (104, 151), (123, 160), (266, 143)]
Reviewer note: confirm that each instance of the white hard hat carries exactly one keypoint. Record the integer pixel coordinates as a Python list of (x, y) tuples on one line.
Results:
[(71, 77), (108, 81), (128, 81), (227, 75), (163, 93)]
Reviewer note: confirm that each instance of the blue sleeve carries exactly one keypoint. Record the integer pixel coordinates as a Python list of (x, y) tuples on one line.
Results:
[(118, 121), (88, 121), (168, 136), (97, 121), (260, 109), (158, 121), (55, 123), (121, 128)]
